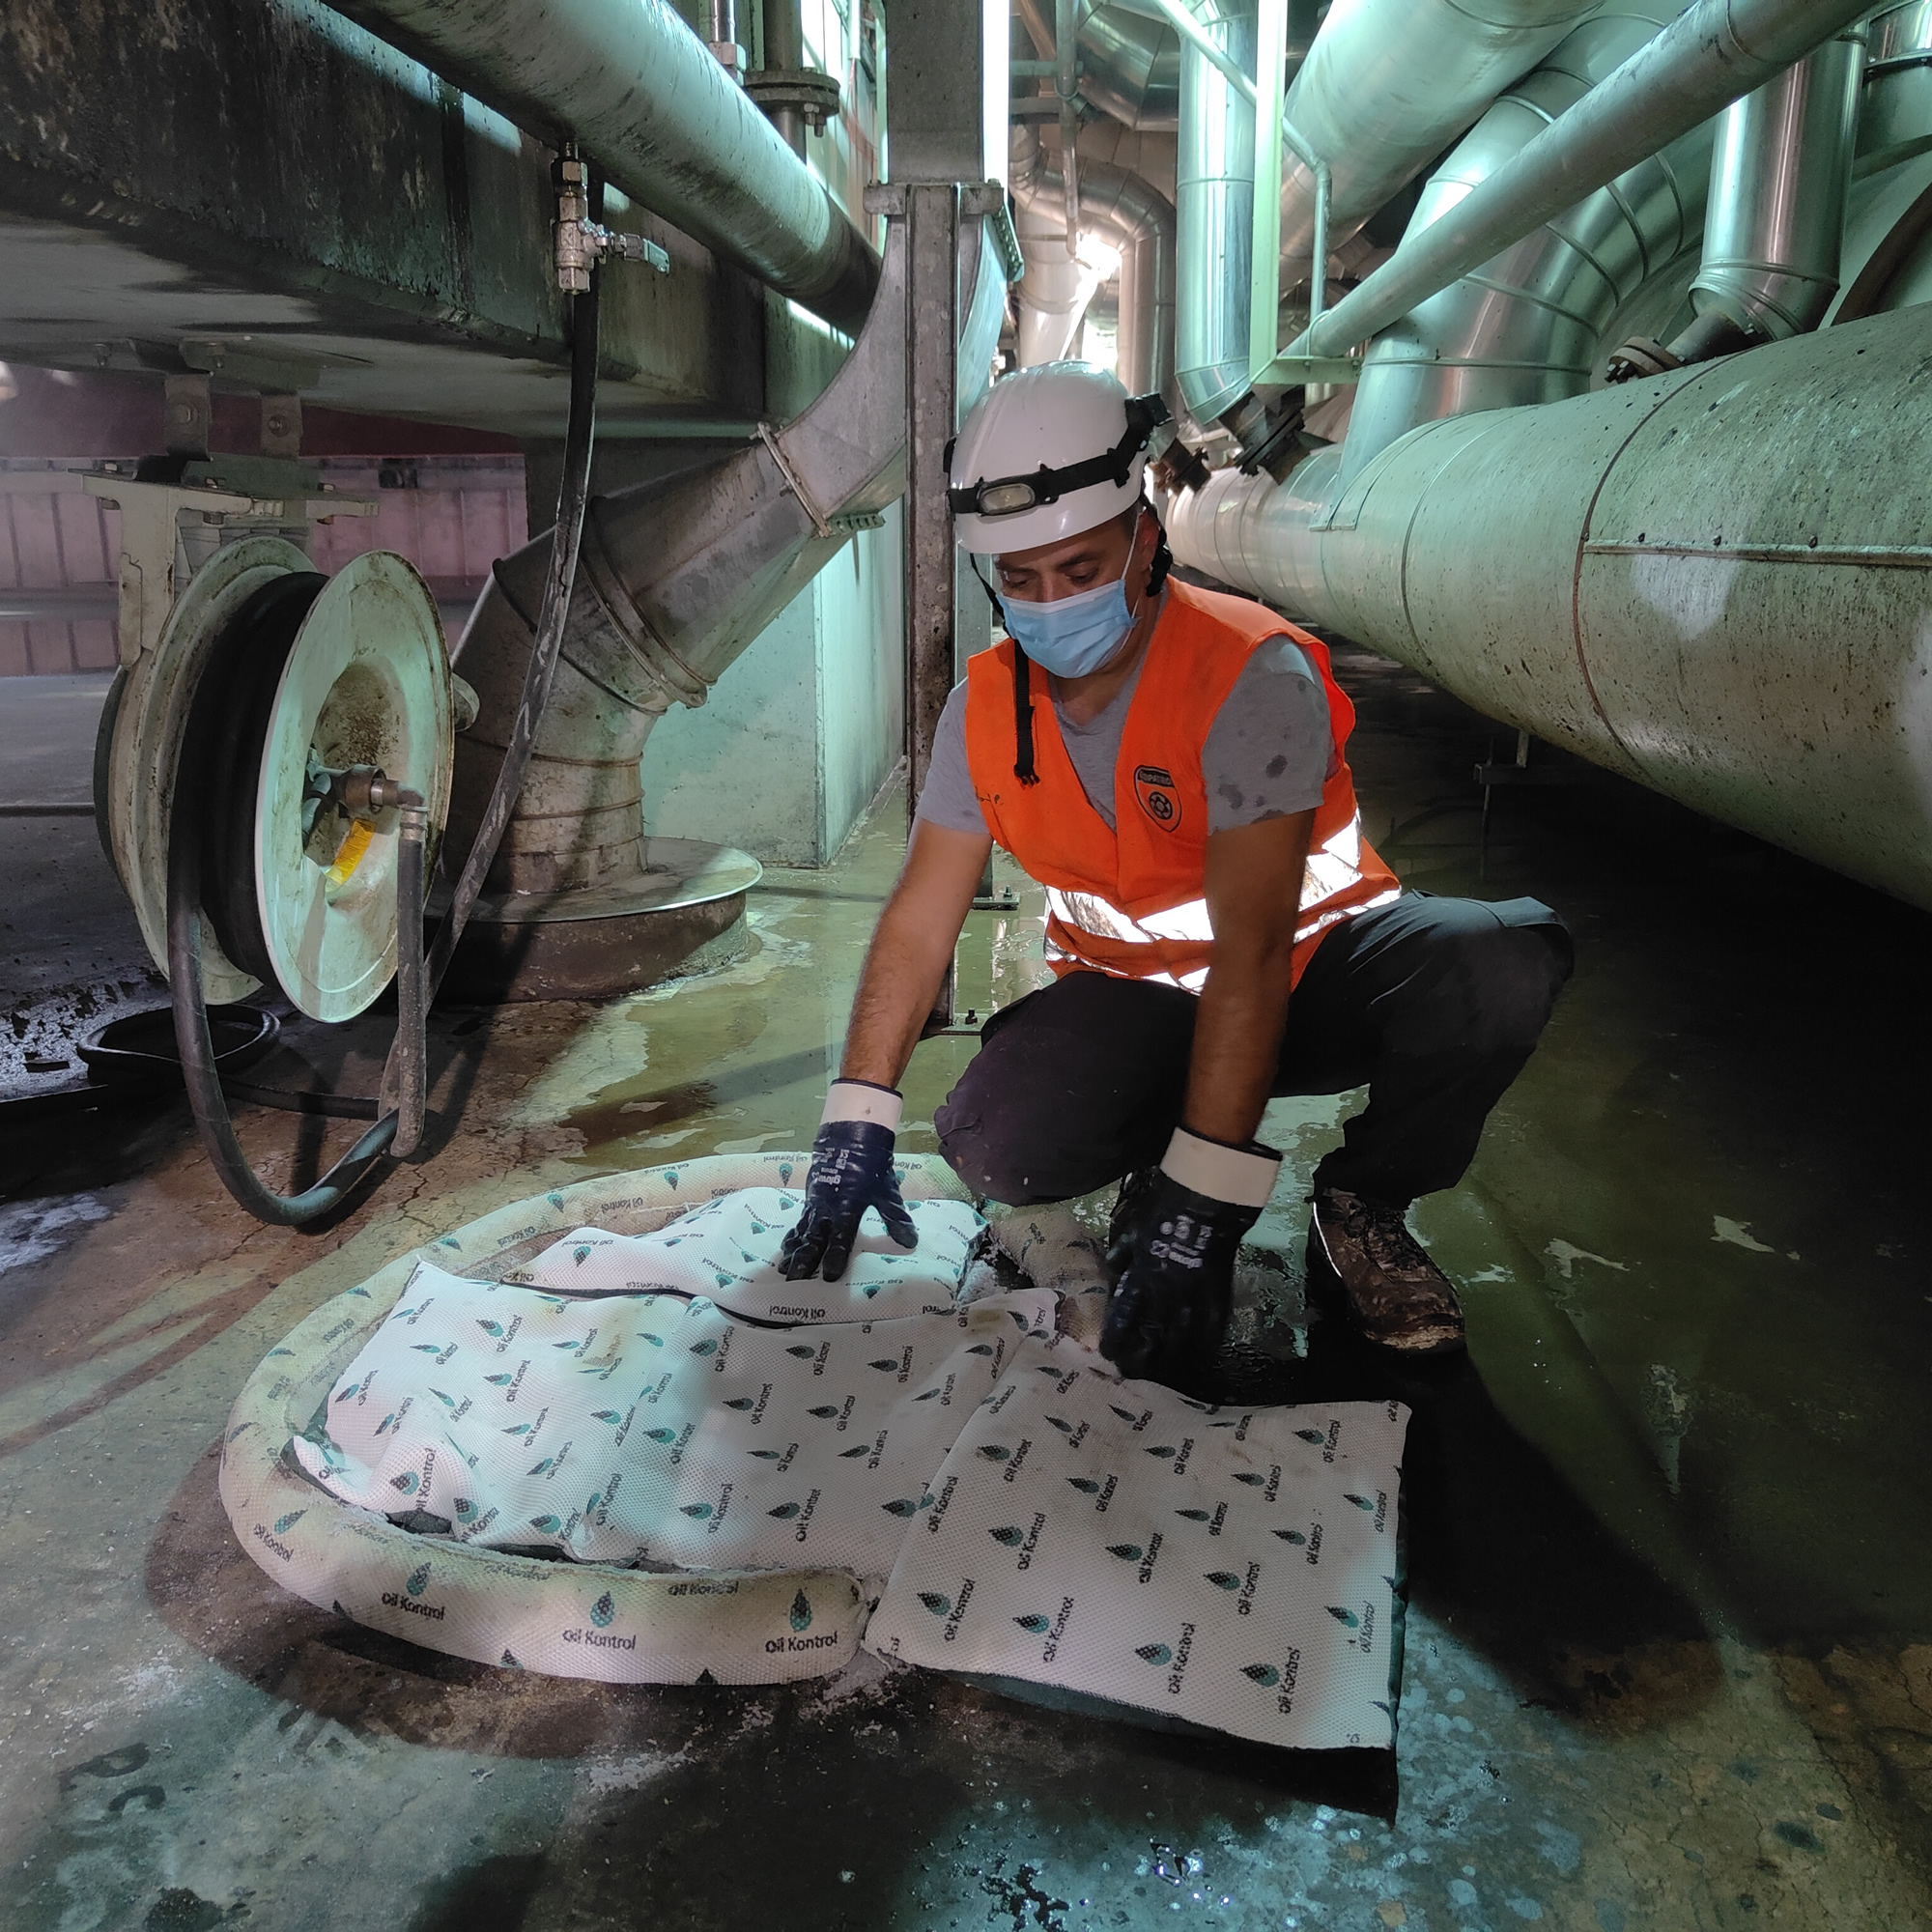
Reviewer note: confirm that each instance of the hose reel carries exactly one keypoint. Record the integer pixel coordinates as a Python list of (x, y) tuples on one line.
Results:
[(313, 678), (272, 771)]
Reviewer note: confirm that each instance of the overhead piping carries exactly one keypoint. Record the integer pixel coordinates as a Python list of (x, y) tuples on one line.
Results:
[(1528, 326), (1715, 581), (643, 96), (1136, 218), (1781, 172), (678, 576), (1130, 65), (1388, 84), (1214, 195), (1717, 50)]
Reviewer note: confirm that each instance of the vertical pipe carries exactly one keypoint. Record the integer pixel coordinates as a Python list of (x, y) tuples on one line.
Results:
[(1779, 174), (784, 49), (1214, 195), (1066, 67)]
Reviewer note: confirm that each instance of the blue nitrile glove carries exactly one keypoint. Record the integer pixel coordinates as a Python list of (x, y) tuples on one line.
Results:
[(1172, 1249), (851, 1171)]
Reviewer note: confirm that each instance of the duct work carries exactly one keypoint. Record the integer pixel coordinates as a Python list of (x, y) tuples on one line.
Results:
[(1526, 327), (1129, 215), (1214, 196), (1652, 576), (677, 576), (1714, 581), (1129, 62), (1387, 85), (1780, 170)]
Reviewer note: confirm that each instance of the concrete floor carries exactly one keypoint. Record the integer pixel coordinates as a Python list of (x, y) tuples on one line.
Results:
[(1669, 1657)]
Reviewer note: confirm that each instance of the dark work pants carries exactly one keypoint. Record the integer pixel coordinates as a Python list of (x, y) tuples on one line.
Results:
[(1432, 1004)]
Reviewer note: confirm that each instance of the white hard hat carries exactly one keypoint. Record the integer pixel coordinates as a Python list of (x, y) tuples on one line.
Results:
[(1046, 453)]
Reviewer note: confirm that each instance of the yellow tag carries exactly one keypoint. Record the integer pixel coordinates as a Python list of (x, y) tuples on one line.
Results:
[(360, 836)]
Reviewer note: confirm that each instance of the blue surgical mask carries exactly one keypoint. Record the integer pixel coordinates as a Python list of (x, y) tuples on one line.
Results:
[(1074, 636)]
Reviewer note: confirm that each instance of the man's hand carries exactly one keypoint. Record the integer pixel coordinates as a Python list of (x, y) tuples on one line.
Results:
[(1175, 1236), (851, 1171)]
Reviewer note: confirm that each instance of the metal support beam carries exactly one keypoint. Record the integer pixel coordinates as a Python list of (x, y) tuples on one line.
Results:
[(932, 333)]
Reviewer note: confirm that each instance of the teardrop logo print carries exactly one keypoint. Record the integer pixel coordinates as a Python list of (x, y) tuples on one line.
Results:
[(603, 1610)]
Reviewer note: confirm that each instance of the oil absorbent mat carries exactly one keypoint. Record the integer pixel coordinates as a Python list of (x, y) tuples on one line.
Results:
[(726, 1251), (1117, 1540), (658, 1429)]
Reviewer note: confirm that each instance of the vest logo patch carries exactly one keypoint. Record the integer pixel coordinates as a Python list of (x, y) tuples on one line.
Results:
[(1155, 788)]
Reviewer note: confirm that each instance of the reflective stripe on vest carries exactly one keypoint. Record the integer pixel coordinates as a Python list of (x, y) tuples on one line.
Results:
[(1129, 900)]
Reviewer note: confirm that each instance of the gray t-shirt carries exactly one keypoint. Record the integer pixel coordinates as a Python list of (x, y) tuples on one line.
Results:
[(1267, 755)]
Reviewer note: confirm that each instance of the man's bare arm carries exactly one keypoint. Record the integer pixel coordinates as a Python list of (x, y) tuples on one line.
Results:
[(910, 950), (1254, 891)]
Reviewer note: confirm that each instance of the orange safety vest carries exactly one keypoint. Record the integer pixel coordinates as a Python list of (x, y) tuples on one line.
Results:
[(1131, 900)]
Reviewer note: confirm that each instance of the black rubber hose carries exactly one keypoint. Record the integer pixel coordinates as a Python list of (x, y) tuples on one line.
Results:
[(565, 540), (186, 924)]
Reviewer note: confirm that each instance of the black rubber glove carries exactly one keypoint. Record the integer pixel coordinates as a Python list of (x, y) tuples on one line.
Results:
[(1171, 1251), (851, 1171)]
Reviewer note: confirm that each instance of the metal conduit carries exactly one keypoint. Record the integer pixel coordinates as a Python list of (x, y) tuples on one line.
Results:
[(644, 97), (1214, 196), (1387, 85), (1716, 51), (1715, 581), (1527, 326)]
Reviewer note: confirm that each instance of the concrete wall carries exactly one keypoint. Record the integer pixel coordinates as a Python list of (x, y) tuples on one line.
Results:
[(803, 729)]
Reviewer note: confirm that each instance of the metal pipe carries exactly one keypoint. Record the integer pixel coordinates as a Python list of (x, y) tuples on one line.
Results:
[(1528, 326), (678, 576), (1066, 66), (1139, 220), (1387, 85), (1780, 171), (1129, 64), (1717, 50), (1896, 113), (643, 96), (1715, 581), (1052, 295), (783, 27), (1214, 195)]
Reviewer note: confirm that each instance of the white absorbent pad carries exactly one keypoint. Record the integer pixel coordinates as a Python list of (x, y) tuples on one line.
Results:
[(727, 1252), (656, 1428), (1233, 1569)]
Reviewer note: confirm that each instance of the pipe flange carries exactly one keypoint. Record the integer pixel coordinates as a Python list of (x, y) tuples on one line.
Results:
[(797, 90)]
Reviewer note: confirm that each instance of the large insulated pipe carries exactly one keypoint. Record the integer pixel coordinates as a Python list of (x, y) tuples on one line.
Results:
[(1388, 84), (1715, 581), (1214, 200), (1131, 215), (1716, 51), (1050, 303), (1527, 326), (1779, 174), (676, 578), (642, 93)]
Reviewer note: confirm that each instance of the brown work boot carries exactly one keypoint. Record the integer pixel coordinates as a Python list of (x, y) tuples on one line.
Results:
[(1397, 1296)]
